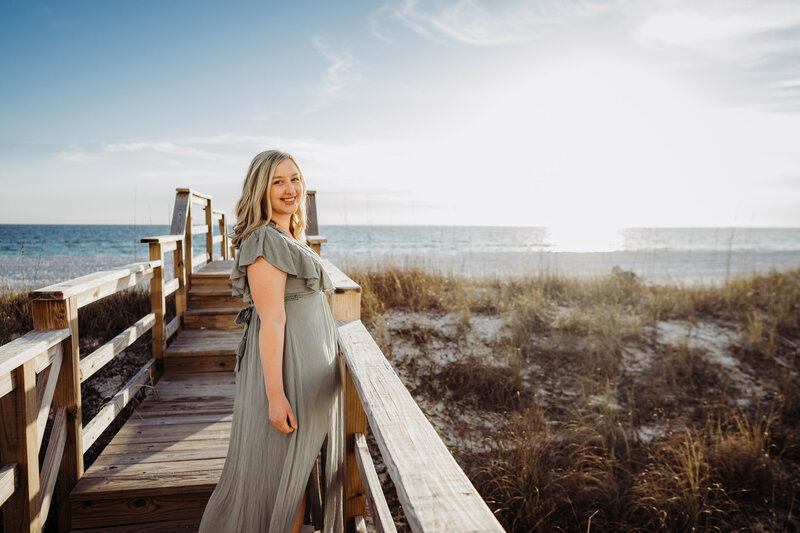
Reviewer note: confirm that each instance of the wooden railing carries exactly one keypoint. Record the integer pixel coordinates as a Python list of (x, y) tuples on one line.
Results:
[(51, 351), (435, 493)]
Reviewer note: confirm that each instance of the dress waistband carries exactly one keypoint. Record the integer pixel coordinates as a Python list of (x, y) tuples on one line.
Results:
[(244, 318)]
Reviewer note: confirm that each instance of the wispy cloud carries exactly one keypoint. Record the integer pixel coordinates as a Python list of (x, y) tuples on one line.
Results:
[(755, 44), (75, 154), (485, 23), (341, 73)]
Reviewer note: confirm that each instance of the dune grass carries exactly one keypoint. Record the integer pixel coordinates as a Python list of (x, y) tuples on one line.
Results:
[(604, 423)]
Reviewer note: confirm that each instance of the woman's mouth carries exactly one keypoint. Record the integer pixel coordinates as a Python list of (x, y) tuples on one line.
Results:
[(290, 200)]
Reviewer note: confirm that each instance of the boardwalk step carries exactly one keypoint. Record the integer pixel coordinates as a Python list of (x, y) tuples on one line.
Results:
[(209, 298), (203, 350), (211, 317), (162, 466)]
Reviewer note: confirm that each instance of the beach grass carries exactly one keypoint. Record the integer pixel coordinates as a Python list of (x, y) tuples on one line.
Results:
[(617, 405), (577, 404)]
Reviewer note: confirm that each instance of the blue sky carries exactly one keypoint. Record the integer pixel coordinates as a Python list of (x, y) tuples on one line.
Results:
[(576, 115)]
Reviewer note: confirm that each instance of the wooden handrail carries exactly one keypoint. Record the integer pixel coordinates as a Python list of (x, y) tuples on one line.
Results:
[(434, 491), (51, 350)]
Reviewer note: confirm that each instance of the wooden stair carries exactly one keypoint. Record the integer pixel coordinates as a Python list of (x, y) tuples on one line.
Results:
[(159, 470)]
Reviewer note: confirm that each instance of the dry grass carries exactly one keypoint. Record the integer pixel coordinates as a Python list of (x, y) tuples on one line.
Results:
[(609, 423)]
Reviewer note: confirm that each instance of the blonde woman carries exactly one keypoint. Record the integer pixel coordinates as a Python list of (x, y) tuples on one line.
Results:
[(288, 389)]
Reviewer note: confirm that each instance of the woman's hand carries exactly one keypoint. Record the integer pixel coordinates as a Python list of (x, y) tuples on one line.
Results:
[(279, 412)]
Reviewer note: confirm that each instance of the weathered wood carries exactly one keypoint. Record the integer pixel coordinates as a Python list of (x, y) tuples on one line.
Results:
[(215, 317), (44, 398), (105, 353), (210, 231), (345, 306), (107, 414), (311, 213), (179, 271), (55, 315), (369, 477), (158, 305), (24, 348), (171, 286), (8, 482), (52, 460), (98, 285), (163, 239), (435, 493), (200, 228), (173, 327), (200, 259), (194, 192), (180, 213), (18, 445)]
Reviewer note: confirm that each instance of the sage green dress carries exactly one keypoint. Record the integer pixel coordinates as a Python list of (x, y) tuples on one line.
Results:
[(266, 472)]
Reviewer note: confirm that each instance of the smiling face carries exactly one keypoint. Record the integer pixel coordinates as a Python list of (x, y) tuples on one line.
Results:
[(286, 191)]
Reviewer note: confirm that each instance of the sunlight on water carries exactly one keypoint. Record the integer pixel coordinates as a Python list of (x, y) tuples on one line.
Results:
[(588, 238)]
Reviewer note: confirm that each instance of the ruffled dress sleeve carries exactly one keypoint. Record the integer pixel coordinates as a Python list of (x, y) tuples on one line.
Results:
[(292, 257)]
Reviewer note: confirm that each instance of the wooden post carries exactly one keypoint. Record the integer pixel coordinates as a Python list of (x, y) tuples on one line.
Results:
[(210, 232), (181, 225), (223, 231), (59, 314), (19, 444), (158, 305), (189, 259), (346, 305), (180, 274)]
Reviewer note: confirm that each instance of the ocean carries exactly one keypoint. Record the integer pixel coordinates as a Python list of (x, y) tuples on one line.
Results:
[(34, 255)]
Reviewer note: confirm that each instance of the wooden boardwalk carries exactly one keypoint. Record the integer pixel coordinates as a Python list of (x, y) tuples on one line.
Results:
[(160, 469)]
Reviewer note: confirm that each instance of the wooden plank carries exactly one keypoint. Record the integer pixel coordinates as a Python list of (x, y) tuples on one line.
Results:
[(164, 239), (64, 313), (175, 433), (200, 259), (382, 515), (18, 445), (107, 414), (134, 473), (435, 493), (140, 512), (212, 450), (171, 286), (22, 349), (199, 228), (105, 353), (173, 327), (44, 398), (339, 278), (97, 285), (52, 460), (147, 481), (158, 305), (347, 306), (8, 482), (180, 213), (189, 525)]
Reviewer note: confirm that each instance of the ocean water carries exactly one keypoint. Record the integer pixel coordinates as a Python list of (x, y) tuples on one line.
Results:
[(36, 255)]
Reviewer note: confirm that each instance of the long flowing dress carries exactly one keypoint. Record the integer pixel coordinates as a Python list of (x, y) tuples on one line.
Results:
[(266, 472)]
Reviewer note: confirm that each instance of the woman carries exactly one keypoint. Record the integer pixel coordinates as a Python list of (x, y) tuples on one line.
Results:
[(288, 388)]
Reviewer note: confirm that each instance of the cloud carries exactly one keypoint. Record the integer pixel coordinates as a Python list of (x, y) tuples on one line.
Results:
[(164, 147), (75, 154), (340, 74), (485, 23), (754, 46)]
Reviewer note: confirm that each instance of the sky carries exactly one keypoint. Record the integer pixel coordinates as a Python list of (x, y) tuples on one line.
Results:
[(580, 115)]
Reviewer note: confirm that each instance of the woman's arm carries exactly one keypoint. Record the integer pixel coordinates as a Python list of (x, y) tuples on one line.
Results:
[(267, 287)]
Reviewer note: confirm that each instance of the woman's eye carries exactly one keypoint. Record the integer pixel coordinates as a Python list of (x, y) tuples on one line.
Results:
[(296, 179)]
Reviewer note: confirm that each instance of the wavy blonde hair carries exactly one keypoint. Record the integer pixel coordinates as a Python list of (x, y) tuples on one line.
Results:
[(256, 191)]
